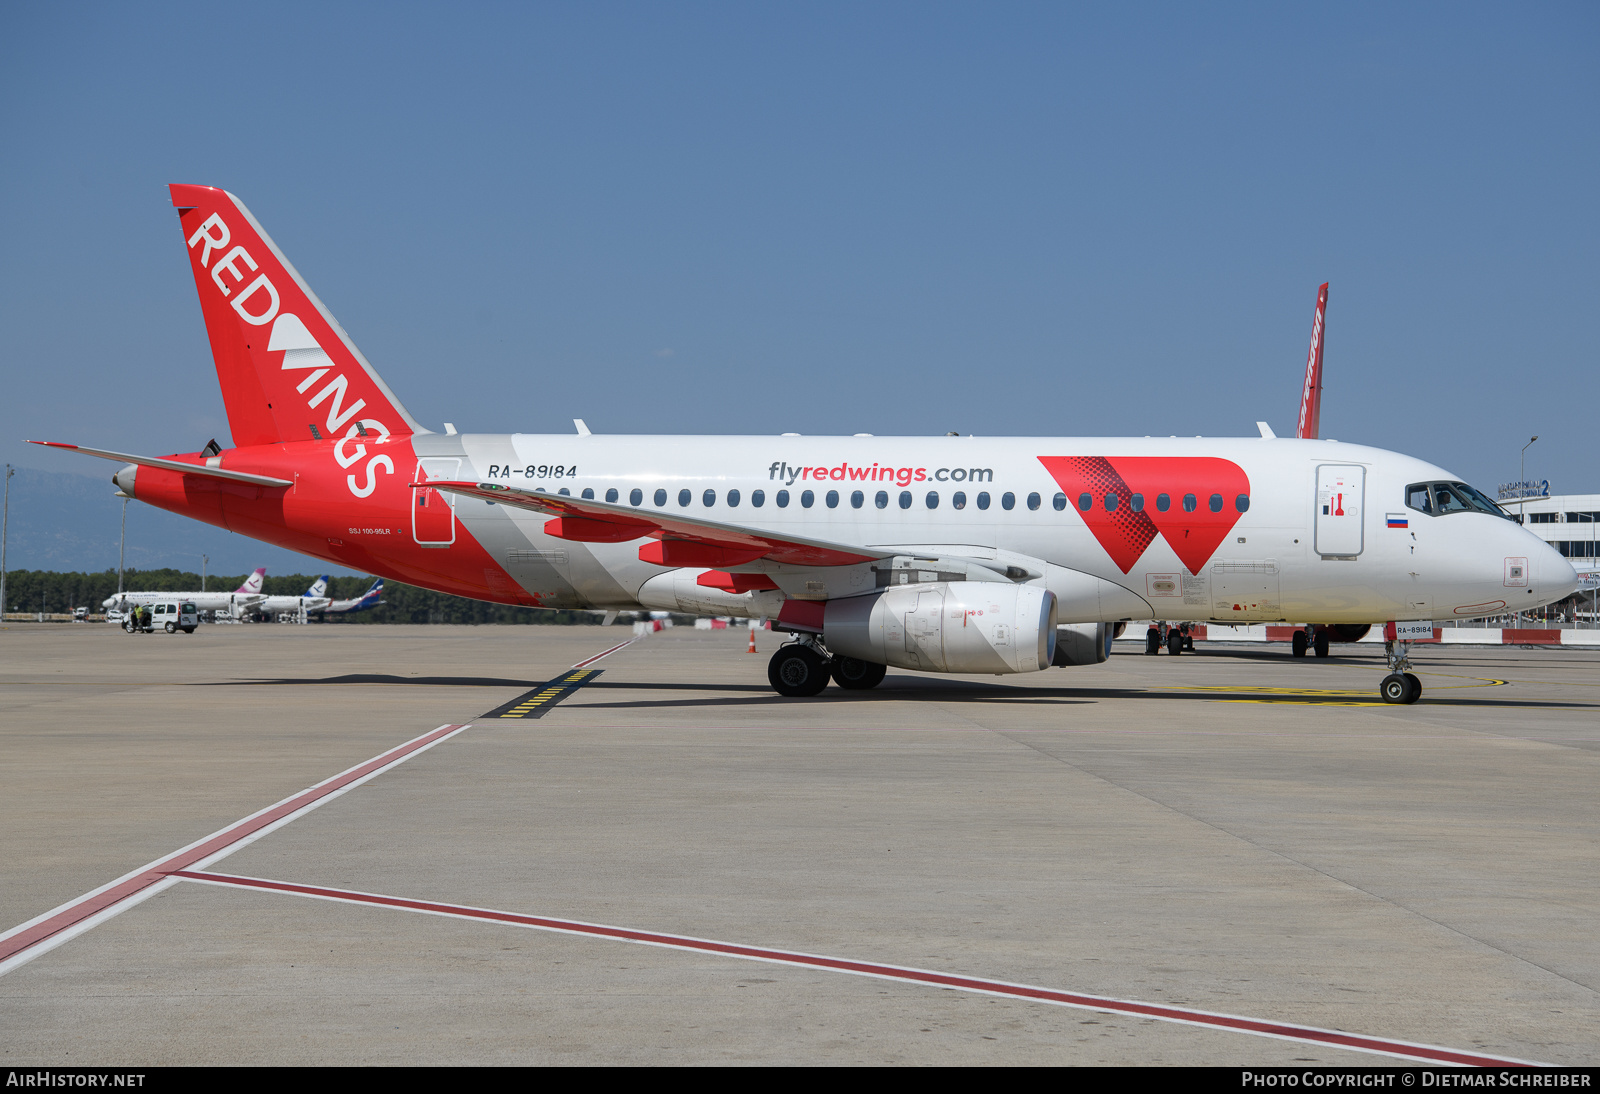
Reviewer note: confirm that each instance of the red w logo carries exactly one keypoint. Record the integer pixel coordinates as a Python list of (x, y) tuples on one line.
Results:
[(1109, 486)]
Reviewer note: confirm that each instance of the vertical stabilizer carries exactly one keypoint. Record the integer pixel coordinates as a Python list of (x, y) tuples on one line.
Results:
[(1310, 421), (288, 370), (253, 583)]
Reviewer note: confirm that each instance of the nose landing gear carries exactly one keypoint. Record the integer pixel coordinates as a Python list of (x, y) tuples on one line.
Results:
[(1401, 685)]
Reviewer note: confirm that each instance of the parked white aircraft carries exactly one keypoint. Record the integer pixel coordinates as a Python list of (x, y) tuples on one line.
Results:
[(940, 554), (245, 598), (314, 599), (369, 599)]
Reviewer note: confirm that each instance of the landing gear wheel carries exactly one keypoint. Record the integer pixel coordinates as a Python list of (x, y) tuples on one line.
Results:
[(172, 628), (1320, 643), (1416, 688), (1396, 688), (1174, 641), (1298, 644), (796, 671), (1152, 641), (853, 675)]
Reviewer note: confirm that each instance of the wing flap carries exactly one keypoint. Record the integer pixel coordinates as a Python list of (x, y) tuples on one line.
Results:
[(673, 529)]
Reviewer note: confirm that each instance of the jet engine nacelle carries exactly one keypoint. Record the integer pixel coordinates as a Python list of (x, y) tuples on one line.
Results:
[(1084, 643), (955, 626)]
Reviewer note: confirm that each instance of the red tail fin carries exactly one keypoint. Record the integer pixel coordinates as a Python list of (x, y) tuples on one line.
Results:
[(288, 370), (1311, 393)]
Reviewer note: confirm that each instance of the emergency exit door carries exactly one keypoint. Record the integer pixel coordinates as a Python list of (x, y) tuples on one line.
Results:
[(1340, 517), (433, 514)]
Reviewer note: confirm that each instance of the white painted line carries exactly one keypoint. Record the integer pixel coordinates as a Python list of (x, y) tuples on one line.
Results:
[(43, 933)]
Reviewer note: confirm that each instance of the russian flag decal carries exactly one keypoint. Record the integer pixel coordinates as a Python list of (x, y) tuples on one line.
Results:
[(1398, 520)]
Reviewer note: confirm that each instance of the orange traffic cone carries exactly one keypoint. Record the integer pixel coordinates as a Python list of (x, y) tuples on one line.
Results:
[(752, 640)]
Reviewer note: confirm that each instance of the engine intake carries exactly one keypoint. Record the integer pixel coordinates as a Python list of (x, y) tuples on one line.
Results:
[(953, 626)]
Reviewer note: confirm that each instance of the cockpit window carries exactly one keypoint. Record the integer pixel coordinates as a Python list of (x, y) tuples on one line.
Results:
[(1439, 498)]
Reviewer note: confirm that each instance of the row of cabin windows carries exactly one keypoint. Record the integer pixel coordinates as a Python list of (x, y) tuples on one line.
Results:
[(1111, 502)]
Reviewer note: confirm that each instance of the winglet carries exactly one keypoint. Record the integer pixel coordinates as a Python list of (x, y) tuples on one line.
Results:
[(1311, 393)]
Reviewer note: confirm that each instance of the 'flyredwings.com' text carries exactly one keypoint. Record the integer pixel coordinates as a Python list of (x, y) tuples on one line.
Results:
[(902, 476)]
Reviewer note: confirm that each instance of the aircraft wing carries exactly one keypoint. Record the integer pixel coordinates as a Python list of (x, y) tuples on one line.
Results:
[(171, 465), (685, 540)]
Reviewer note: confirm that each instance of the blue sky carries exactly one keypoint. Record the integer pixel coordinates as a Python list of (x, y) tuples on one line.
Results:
[(886, 218)]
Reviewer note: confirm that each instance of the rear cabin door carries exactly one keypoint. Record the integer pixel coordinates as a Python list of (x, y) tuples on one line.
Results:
[(433, 515), (1341, 497)]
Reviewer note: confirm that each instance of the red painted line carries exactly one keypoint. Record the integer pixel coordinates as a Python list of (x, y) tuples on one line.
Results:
[(1282, 1030), (65, 918), (605, 653)]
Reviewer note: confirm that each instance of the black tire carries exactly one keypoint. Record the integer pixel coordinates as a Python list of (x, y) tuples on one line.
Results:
[(1320, 643), (796, 671), (172, 628), (853, 675), (1298, 644), (1416, 688), (1152, 641), (188, 630), (1174, 642), (1395, 689)]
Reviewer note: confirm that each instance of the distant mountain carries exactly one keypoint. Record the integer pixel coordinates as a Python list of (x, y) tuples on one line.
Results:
[(63, 521)]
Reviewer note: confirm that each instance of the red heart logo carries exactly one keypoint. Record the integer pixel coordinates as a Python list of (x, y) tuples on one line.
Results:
[(1109, 486)]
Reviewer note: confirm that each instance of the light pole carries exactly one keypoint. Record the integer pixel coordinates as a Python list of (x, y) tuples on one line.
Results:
[(205, 560), (1522, 487), (121, 541), (5, 521)]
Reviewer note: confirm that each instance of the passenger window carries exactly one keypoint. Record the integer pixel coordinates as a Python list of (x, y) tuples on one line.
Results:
[(733, 499), (636, 496), (905, 499), (933, 499), (832, 498), (1034, 501), (1242, 503), (1111, 503), (958, 500), (807, 498), (1163, 503), (857, 498), (611, 496), (782, 498), (709, 498), (685, 496), (1008, 500), (758, 498), (661, 497), (1189, 503), (1059, 501), (565, 491), (881, 499), (1417, 498), (1136, 503), (1085, 502), (1216, 503), (983, 500), (588, 494)]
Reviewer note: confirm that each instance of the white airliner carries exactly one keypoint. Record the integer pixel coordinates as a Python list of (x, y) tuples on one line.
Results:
[(938, 554), (246, 597), (314, 599), (369, 599)]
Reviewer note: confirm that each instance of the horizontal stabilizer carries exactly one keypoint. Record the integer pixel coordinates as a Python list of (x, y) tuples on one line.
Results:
[(171, 465), (734, 540)]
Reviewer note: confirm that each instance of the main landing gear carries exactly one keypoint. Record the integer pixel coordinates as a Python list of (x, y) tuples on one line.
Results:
[(1178, 638), (1401, 685), (804, 668), (1310, 638)]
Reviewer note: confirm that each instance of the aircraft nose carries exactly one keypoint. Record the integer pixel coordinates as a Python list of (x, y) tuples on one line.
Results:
[(1554, 578)]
